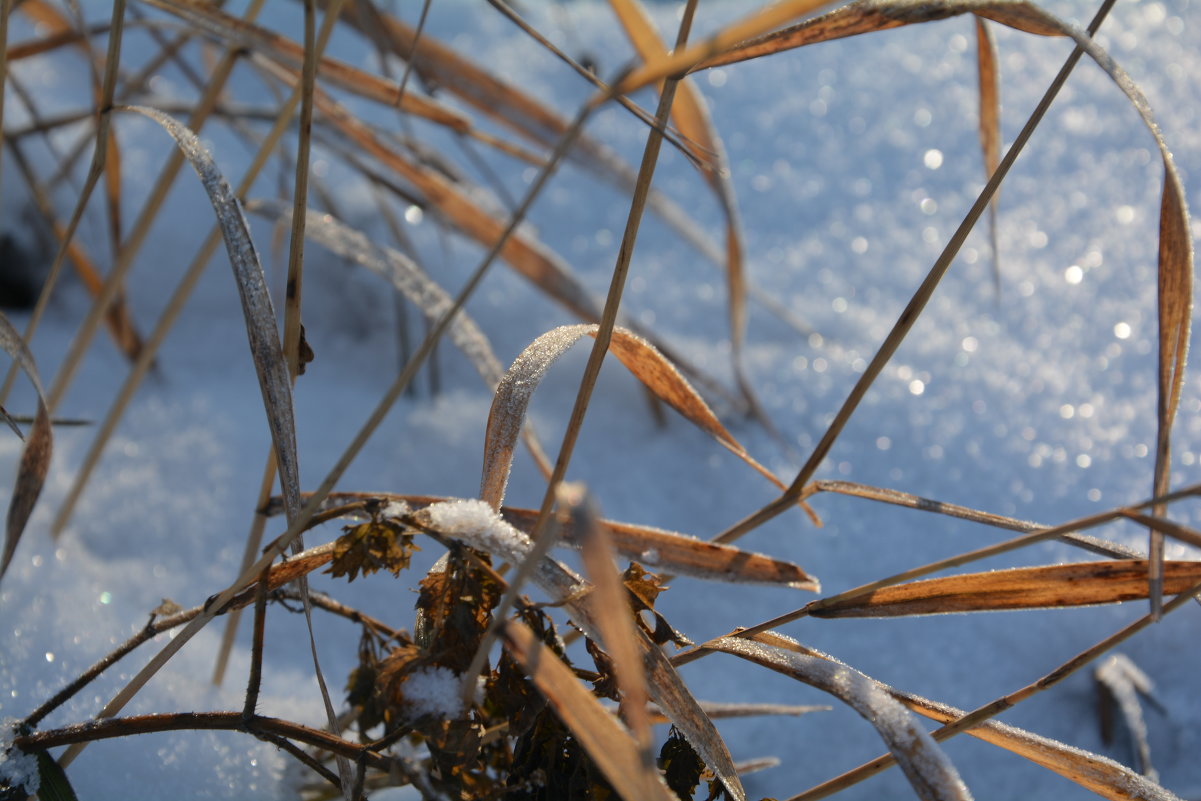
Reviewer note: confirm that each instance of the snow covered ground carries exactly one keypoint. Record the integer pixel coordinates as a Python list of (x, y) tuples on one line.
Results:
[(853, 162)]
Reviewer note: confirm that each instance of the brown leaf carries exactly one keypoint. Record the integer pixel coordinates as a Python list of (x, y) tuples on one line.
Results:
[(370, 547), (1018, 588), (606, 742), (35, 458)]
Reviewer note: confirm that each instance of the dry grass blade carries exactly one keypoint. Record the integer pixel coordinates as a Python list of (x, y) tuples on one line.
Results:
[(1121, 682), (1081, 584), (1097, 545), (718, 710), (663, 550), (513, 395), (475, 523), (235, 32), (614, 616), (528, 257), (609, 745), (1175, 317), (929, 771), (990, 129), (682, 60), (692, 120), (35, 458), (1103, 776), (265, 346)]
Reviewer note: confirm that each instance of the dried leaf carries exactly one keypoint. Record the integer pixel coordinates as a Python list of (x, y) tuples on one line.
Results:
[(35, 458), (370, 547), (640, 358), (1079, 584), (1103, 776), (265, 348), (682, 767), (925, 765), (607, 743)]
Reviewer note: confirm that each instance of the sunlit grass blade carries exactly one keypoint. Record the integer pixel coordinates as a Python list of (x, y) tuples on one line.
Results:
[(35, 457), (719, 710), (1103, 776), (610, 746), (928, 769), (990, 128), (1053, 586), (614, 616), (1175, 320)]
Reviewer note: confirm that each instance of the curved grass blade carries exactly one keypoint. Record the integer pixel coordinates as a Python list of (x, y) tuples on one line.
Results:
[(35, 457), (1054, 586), (609, 744), (475, 523), (928, 769), (640, 358), (1103, 776), (265, 348)]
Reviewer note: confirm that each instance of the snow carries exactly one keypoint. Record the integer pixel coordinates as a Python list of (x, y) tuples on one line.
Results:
[(853, 161), (17, 768), (434, 691)]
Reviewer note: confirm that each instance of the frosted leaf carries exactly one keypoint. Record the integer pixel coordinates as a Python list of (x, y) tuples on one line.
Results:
[(926, 766), (274, 380)]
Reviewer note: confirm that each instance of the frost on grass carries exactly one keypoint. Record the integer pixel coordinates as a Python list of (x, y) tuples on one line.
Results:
[(17, 768), (475, 523), (513, 399), (926, 766), (434, 691)]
